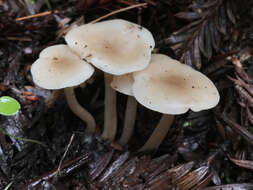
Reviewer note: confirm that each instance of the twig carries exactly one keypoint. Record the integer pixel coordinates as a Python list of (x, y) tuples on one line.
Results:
[(240, 82), (239, 68), (244, 94), (8, 186), (66, 169), (65, 153), (37, 15), (238, 129), (118, 11)]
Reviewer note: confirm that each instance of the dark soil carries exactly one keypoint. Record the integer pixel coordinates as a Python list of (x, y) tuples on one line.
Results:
[(209, 150)]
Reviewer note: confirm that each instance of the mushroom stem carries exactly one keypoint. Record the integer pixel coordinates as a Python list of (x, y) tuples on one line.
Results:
[(159, 133), (80, 111), (110, 115), (129, 121)]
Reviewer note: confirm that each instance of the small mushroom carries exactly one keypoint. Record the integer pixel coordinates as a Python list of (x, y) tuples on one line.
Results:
[(123, 84), (171, 88), (116, 47), (60, 68)]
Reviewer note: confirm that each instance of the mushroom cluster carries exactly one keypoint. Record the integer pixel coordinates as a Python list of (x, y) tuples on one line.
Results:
[(122, 50), (116, 47), (168, 87)]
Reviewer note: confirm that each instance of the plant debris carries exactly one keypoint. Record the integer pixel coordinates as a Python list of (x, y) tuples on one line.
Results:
[(44, 146)]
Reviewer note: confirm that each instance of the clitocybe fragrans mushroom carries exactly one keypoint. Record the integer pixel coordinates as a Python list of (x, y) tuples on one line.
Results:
[(123, 84), (172, 88), (57, 68), (116, 47)]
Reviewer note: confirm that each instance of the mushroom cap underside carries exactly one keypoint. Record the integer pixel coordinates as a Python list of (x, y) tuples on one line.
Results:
[(123, 83)]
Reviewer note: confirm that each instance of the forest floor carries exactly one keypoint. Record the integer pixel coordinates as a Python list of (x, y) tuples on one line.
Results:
[(45, 146)]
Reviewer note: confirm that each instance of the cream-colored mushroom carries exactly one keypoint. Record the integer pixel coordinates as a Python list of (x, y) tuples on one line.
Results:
[(57, 68), (116, 47), (172, 88), (123, 84)]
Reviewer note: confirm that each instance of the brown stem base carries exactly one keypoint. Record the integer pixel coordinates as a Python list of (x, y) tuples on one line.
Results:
[(130, 116), (159, 134), (110, 115)]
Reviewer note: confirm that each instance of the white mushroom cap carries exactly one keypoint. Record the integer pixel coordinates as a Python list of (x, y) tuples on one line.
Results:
[(58, 67), (115, 46), (169, 87), (123, 83)]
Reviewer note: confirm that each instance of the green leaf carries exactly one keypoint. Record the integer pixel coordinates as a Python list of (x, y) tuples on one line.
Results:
[(8, 106)]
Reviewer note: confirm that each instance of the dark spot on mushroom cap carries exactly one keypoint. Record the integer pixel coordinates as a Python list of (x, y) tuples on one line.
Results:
[(193, 86), (55, 58), (150, 47), (75, 43)]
